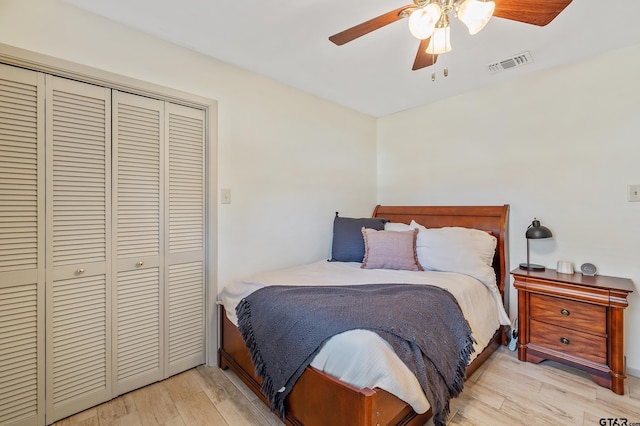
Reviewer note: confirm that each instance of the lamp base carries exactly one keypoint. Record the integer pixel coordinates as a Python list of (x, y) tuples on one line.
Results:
[(532, 267)]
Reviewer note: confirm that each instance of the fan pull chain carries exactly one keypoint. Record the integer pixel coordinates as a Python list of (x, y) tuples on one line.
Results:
[(446, 68), (433, 61)]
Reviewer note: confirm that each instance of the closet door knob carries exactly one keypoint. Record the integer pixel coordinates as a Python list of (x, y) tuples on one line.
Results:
[(139, 264)]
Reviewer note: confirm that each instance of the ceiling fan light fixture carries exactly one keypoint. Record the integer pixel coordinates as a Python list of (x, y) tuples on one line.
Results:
[(533, 12), (440, 40), (423, 20), (475, 14)]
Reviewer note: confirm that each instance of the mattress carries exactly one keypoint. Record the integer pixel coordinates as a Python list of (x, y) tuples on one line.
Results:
[(360, 357)]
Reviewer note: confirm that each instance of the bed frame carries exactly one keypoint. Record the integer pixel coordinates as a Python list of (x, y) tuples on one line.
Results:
[(318, 399)]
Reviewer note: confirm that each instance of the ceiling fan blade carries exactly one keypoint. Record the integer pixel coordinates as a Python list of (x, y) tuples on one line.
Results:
[(536, 12), (424, 59), (368, 26)]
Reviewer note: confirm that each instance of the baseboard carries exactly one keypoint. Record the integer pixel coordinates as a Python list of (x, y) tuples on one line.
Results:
[(633, 372)]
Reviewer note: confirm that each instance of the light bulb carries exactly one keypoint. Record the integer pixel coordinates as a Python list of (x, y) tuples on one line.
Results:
[(423, 20)]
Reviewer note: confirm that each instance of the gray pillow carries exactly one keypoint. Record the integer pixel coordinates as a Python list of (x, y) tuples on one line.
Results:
[(348, 242)]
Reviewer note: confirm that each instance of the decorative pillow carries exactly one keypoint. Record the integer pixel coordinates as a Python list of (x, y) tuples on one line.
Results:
[(455, 249), (390, 250), (348, 243)]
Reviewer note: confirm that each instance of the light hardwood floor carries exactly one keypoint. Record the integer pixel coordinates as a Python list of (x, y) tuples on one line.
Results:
[(504, 391)]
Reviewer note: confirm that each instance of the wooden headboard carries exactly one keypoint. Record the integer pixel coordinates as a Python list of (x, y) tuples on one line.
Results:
[(486, 218)]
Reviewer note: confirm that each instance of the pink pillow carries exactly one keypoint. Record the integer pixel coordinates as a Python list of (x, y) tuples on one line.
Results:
[(390, 250)]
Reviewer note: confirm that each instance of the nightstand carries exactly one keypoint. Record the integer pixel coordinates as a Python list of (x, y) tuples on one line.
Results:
[(574, 319)]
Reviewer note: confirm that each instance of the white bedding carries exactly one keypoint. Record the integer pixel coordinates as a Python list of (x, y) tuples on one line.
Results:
[(360, 357)]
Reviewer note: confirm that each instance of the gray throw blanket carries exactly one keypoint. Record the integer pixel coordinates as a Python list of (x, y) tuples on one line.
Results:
[(284, 327)]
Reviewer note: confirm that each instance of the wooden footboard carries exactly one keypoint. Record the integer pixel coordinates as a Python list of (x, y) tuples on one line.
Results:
[(319, 399)]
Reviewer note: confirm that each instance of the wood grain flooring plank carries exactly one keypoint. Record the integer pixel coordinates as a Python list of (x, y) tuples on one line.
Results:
[(564, 399), (215, 384), (240, 385), (632, 388), (623, 404), (85, 418), (559, 404), (128, 420), (551, 372), (479, 392), (534, 414), (154, 405), (472, 412), (270, 419), (229, 400), (111, 411), (240, 414), (546, 372), (183, 386), (198, 410), (510, 384), (128, 406)]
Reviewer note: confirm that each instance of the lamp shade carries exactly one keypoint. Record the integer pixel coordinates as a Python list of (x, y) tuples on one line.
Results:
[(475, 14), (440, 40), (423, 20), (536, 231)]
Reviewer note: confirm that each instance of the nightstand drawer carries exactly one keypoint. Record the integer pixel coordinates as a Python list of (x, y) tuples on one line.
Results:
[(571, 342), (569, 313)]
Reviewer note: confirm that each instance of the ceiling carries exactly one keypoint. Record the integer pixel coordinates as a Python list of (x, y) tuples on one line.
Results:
[(287, 40)]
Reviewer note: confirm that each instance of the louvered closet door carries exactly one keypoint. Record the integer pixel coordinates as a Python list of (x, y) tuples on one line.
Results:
[(78, 138), (137, 215), (184, 258), (21, 247)]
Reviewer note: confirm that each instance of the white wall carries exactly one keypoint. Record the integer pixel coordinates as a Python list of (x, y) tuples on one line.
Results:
[(290, 159), (561, 146)]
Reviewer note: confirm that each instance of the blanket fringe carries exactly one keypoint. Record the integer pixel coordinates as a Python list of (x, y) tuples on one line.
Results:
[(275, 398), (440, 419)]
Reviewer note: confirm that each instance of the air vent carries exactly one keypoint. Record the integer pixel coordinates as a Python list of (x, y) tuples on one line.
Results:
[(515, 61)]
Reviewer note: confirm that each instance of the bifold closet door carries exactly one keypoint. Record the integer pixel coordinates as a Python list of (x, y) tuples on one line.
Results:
[(21, 247), (185, 238), (158, 175), (138, 133), (78, 250)]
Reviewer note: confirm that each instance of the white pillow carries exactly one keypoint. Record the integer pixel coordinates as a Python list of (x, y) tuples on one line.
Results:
[(462, 250), (455, 249), (397, 226)]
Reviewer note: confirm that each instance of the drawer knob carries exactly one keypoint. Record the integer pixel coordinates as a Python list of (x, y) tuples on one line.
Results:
[(139, 264), (565, 312), (564, 340), (80, 271)]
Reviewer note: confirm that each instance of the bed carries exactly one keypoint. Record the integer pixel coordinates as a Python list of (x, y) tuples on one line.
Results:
[(318, 397)]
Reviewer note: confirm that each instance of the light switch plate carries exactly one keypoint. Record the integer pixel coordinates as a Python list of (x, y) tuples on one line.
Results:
[(634, 193), (225, 196)]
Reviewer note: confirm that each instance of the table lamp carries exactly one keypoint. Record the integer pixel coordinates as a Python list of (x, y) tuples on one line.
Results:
[(534, 232)]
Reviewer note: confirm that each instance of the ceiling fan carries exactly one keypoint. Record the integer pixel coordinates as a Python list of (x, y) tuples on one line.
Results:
[(429, 21)]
